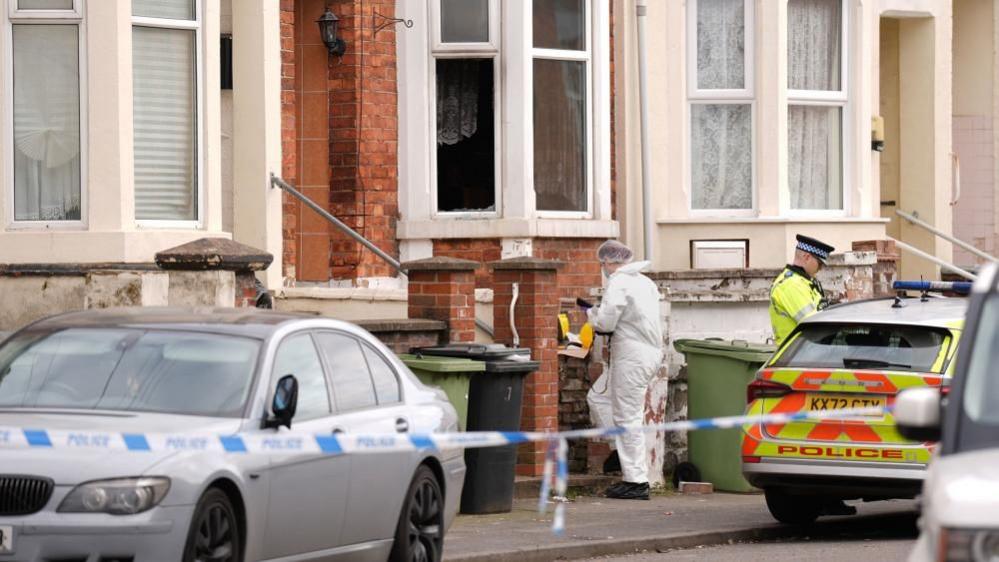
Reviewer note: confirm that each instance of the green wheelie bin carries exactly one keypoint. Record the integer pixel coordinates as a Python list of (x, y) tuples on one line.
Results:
[(718, 372), (450, 374)]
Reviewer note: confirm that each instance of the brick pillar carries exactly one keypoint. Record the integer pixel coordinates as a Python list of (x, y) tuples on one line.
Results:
[(442, 288), (536, 315), (886, 270)]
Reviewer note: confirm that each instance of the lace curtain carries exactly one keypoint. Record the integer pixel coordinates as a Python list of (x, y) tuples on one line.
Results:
[(457, 100), (721, 29), (815, 132), (721, 134), (46, 123)]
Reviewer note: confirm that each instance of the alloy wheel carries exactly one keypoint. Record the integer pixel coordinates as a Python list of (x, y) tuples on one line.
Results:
[(426, 522), (215, 539)]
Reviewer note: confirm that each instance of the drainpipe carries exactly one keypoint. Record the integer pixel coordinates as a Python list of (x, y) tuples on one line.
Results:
[(643, 102)]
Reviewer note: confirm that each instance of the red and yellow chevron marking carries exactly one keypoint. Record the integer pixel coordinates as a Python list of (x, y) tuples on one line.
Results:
[(870, 440)]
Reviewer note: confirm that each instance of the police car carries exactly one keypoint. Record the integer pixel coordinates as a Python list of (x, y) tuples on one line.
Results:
[(854, 355)]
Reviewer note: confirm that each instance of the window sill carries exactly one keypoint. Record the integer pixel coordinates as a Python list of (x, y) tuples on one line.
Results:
[(67, 246), (507, 228), (775, 220)]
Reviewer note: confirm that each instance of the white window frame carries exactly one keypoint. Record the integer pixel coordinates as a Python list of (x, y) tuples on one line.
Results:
[(197, 26), (76, 12), (43, 17), (585, 56), (705, 96), (822, 98), (488, 50)]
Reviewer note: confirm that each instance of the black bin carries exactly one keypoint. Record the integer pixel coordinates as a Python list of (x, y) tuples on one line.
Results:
[(494, 402)]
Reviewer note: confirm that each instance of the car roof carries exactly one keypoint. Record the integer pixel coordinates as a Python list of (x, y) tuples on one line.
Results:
[(247, 322), (933, 312)]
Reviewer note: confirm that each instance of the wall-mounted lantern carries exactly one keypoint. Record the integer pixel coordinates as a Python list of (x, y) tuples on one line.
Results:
[(328, 24)]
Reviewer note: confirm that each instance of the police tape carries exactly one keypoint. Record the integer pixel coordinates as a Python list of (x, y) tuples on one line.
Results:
[(292, 442), (288, 442)]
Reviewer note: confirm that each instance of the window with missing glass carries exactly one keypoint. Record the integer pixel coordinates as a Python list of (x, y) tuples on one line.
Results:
[(165, 70), (562, 120), (720, 93), (817, 99), (465, 75), (47, 122)]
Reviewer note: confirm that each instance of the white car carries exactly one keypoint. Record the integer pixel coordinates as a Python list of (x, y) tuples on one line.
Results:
[(960, 502), (225, 371)]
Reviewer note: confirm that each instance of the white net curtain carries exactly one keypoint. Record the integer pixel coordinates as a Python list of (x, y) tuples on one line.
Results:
[(721, 133), (46, 123), (814, 46)]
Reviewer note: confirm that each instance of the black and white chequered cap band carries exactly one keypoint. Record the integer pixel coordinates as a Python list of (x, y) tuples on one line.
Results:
[(814, 250)]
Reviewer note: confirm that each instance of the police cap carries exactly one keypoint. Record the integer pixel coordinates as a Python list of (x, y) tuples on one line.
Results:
[(820, 250)]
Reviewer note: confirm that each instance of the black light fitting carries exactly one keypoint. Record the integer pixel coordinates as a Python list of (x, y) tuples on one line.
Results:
[(328, 24)]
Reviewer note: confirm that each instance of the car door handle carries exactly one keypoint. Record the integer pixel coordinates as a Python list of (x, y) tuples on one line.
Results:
[(401, 425), (337, 430)]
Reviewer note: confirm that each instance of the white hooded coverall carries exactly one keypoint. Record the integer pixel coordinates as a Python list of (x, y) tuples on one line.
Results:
[(629, 309)]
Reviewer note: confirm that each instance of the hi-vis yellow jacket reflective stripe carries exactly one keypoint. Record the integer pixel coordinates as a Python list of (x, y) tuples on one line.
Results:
[(793, 297)]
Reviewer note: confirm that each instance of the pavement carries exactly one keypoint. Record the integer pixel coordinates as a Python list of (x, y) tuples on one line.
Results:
[(598, 526)]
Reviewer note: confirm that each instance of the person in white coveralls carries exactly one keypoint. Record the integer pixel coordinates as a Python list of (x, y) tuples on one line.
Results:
[(629, 311)]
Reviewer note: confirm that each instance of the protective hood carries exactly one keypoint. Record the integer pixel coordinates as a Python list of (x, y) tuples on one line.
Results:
[(633, 268)]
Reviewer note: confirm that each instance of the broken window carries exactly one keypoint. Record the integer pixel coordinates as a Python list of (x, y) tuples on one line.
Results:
[(466, 149)]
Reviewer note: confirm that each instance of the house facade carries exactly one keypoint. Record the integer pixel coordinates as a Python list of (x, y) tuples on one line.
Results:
[(761, 127)]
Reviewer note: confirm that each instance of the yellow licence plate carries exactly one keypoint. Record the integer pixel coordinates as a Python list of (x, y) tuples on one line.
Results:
[(826, 401)]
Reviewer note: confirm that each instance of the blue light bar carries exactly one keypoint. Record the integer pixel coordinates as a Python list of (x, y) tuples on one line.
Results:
[(959, 287)]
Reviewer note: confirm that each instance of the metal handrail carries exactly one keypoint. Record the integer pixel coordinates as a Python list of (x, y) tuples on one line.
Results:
[(912, 218), (278, 182), (946, 265)]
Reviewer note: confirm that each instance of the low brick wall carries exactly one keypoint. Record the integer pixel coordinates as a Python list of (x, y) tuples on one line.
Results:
[(402, 335)]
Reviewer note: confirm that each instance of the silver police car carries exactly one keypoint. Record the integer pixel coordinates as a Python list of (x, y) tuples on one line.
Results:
[(218, 371)]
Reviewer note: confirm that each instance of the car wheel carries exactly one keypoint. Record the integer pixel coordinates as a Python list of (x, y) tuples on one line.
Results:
[(793, 510), (214, 534), (419, 535)]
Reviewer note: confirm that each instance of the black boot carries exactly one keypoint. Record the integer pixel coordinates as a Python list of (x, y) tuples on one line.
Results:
[(612, 463), (630, 491)]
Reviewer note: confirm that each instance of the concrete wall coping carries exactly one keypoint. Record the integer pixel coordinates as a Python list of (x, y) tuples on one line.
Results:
[(73, 269), (343, 293), (700, 274), (441, 263), (402, 325), (526, 264)]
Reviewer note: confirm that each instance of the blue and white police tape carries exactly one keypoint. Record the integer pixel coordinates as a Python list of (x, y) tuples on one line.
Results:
[(280, 442), (291, 442)]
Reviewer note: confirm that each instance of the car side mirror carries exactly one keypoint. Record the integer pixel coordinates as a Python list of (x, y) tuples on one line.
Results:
[(917, 414), (284, 404)]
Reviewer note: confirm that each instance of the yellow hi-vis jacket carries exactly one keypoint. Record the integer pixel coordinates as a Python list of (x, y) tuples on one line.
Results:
[(793, 297)]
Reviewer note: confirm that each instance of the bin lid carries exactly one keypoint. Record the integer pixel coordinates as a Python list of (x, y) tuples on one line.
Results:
[(733, 349), (478, 351), (443, 364), (513, 367)]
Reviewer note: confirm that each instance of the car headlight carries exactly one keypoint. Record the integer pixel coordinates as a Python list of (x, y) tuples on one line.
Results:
[(121, 496), (969, 545)]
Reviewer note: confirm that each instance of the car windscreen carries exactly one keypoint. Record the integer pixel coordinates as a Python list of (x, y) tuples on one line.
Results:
[(980, 400), (128, 370), (869, 346)]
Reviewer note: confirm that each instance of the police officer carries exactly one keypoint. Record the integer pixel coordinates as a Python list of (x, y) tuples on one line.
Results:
[(796, 294)]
